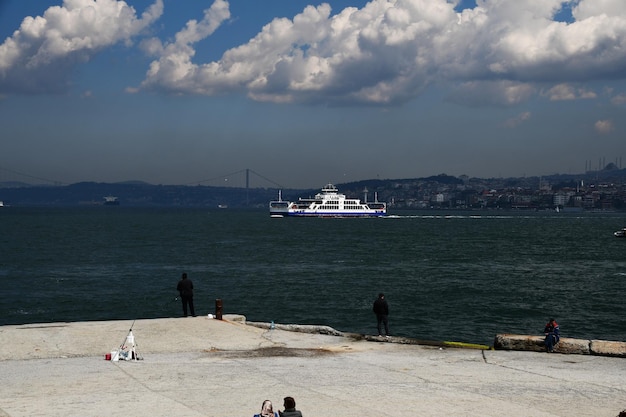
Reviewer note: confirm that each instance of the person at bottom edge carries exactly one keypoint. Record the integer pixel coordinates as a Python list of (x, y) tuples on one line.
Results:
[(267, 410), (290, 408), (553, 335)]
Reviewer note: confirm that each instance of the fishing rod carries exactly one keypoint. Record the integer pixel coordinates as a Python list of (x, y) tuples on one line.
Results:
[(129, 332), (131, 339), (168, 302)]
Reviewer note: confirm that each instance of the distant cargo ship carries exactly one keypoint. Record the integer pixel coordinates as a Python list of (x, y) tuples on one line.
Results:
[(111, 201), (328, 203)]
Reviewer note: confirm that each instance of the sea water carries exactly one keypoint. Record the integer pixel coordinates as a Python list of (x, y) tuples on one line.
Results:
[(457, 276)]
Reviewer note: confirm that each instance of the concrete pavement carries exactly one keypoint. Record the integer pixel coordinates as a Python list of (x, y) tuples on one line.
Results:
[(205, 367)]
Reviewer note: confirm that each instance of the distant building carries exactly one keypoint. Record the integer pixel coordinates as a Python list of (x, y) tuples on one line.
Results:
[(561, 199)]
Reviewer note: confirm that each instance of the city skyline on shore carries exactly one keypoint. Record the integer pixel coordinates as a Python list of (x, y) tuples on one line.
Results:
[(248, 178)]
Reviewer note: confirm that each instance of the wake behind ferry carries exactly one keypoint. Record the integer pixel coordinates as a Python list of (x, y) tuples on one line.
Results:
[(327, 203)]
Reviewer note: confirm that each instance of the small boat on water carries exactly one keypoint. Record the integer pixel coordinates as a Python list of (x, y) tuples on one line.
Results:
[(111, 201), (620, 233), (327, 203)]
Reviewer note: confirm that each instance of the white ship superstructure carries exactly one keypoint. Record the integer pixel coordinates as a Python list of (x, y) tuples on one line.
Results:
[(327, 203)]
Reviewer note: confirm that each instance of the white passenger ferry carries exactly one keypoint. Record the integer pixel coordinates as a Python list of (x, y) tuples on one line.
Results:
[(328, 203)]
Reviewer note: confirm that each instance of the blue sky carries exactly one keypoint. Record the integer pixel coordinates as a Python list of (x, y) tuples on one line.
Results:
[(305, 93)]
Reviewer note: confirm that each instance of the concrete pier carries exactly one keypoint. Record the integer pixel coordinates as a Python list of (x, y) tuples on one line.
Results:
[(566, 345), (197, 366)]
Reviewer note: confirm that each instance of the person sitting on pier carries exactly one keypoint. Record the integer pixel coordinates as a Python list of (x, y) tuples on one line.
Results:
[(290, 408), (552, 333)]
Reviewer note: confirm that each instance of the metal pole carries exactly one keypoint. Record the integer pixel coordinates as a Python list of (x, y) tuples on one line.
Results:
[(218, 308)]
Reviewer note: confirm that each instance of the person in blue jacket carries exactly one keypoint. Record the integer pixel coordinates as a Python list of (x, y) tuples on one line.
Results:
[(553, 335)]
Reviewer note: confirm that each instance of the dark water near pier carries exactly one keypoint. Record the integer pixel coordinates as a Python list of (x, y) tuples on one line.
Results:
[(447, 276)]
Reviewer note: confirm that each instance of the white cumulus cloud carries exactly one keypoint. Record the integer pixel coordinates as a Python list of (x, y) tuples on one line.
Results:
[(488, 93), (174, 70), (604, 126), (388, 51), (619, 99), (39, 56), (568, 92), (517, 120), (385, 52)]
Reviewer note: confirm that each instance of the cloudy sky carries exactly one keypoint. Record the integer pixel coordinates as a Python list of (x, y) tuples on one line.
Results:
[(305, 92)]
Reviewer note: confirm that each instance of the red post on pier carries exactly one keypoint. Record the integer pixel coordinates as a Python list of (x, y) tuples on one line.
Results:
[(218, 308)]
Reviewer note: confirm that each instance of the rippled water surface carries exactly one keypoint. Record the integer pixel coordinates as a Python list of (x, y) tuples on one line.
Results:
[(461, 277)]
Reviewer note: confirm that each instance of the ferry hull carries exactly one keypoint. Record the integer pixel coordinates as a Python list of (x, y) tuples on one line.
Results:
[(313, 213)]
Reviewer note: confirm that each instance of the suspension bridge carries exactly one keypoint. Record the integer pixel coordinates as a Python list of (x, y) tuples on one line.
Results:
[(237, 179)]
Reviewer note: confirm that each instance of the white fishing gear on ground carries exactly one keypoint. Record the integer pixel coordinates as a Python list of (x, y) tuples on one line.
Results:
[(127, 351)]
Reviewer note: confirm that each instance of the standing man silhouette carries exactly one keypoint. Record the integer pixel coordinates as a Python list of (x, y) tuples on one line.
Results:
[(381, 309), (185, 289)]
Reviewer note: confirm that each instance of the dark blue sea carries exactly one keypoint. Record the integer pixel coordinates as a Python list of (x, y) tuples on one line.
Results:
[(455, 276)]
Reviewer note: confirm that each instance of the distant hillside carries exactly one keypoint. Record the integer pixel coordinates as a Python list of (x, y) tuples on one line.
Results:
[(136, 195), (141, 194)]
